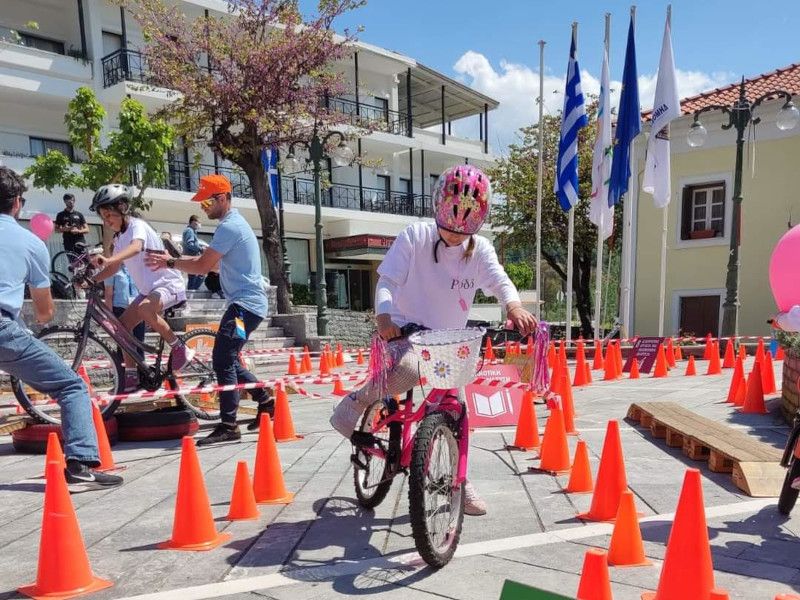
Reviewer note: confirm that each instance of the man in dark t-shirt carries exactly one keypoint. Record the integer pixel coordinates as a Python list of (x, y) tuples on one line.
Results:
[(71, 224)]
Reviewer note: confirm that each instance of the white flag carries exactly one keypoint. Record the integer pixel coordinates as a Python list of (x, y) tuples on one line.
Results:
[(599, 212), (666, 107)]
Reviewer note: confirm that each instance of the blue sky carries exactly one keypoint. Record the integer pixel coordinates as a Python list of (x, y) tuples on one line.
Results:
[(492, 46)]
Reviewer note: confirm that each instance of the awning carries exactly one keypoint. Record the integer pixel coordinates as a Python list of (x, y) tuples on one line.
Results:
[(358, 247)]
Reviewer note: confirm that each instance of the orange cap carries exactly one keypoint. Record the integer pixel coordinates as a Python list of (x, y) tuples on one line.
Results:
[(211, 185)]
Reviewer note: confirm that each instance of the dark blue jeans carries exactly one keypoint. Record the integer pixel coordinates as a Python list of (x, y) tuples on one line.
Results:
[(195, 281), (225, 361), (25, 357)]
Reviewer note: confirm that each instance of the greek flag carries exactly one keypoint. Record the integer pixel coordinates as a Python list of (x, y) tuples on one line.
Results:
[(573, 118), (269, 159)]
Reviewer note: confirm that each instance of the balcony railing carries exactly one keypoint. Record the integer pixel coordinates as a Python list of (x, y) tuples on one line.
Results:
[(366, 115), (124, 65), (185, 176)]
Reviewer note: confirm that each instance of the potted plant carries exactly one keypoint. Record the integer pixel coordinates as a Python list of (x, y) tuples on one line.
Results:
[(702, 234)]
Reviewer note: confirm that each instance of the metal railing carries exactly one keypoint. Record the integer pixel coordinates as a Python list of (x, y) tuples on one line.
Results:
[(366, 115), (185, 176), (124, 65)]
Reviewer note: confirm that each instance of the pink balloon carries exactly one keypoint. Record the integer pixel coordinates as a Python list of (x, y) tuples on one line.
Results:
[(42, 226), (784, 270)]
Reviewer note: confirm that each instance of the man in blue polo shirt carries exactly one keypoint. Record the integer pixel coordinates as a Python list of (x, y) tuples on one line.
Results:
[(25, 357), (235, 248)]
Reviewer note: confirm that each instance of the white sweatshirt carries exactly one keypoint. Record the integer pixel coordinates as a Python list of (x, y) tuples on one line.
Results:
[(412, 288)]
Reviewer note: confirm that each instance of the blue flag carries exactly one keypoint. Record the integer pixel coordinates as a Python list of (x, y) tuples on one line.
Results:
[(629, 124), (269, 158), (573, 118)]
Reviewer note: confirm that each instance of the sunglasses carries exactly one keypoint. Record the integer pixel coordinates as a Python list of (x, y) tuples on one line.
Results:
[(209, 201)]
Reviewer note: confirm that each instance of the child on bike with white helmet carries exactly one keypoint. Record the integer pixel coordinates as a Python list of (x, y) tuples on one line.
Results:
[(428, 279), (158, 290)]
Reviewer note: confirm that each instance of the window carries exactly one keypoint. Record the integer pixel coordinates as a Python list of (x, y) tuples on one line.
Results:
[(40, 43), (385, 184), (432, 179), (111, 42), (703, 211), (41, 146), (699, 315)]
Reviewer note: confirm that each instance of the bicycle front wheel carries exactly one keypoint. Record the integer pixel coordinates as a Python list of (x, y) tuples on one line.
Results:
[(101, 368), (788, 497), (436, 503), (198, 373), (374, 479)]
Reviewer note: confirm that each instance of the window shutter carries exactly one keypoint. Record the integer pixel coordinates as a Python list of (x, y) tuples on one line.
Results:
[(721, 233), (686, 213)]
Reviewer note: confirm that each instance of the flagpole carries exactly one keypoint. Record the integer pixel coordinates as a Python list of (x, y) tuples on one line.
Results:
[(598, 284), (570, 243), (664, 217), (627, 237), (540, 148)]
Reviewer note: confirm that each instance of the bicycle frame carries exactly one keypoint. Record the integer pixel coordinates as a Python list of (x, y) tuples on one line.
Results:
[(438, 400)]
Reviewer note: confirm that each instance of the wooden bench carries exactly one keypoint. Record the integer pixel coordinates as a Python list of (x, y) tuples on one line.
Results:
[(754, 465)]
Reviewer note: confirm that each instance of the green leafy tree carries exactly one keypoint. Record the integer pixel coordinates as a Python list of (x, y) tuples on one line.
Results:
[(515, 178), (135, 154)]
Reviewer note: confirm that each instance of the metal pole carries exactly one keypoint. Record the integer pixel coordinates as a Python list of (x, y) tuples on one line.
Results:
[(663, 288), (570, 251), (287, 266), (316, 152), (443, 120), (485, 128), (598, 270), (540, 147), (409, 116), (82, 26)]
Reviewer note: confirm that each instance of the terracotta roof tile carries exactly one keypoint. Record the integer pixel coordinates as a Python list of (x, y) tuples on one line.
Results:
[(787, 78)]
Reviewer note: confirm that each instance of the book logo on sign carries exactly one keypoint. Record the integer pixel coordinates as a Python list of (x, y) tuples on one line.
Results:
[(492, 405)]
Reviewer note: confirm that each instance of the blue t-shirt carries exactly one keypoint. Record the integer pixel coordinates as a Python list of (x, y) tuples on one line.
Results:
[(32, 267), (125, 290), (240, 265)]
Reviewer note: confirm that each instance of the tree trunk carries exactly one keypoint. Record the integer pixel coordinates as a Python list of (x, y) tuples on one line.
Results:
[(269, 228), (582, 285)]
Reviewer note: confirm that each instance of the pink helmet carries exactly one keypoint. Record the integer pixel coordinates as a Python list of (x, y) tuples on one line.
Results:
[(461, 199)]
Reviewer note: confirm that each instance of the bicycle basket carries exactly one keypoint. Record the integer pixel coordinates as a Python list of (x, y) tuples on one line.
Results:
[(448, 358)]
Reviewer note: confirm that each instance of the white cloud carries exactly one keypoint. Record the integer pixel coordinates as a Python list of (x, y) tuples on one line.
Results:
[(516, 87)]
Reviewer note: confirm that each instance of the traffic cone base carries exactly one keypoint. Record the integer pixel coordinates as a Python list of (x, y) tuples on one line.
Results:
[(35, 591), (220, 539)]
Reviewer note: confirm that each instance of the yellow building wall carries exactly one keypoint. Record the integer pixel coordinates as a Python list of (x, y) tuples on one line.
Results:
[(769, 195)]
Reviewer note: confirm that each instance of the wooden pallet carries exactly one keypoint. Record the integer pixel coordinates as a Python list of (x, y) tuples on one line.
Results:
[(754, 465)]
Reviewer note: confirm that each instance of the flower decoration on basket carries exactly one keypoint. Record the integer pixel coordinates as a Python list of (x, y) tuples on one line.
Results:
[(426, 354), (441, 369), (463, 352)]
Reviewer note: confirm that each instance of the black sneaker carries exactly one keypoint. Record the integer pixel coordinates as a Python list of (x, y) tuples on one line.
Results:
[(81, 478), (267, 407), (221, 433)]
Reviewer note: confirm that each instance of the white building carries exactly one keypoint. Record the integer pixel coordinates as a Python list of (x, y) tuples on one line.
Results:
[(49, 48)]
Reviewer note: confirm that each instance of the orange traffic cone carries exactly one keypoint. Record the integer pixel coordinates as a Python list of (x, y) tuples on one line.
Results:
[(268, 484), (529, 346), (292, 370), (707, 351), (609, 365), (64, 570), (620, 359), (527, 436), (324, 366), (193, 525), (678, 353), (580, 477), (742, 352), (598, 355), (562, 350), (360, 357), (587, 372), (243, 505), (555, 376), (488, 353), (718, 594), (611, 479), (760, 350), (54, 452), (103, 445), (779, 354), (688, 551), (691, 368), (338, 388), (580, 351), (284, 425), (769, 374), (595, 584), (714, 367), (754, 396), (787, 597), (555, 451), (729, 362), (305, 363), (661, 363), (551, 355), (580, 372), (736, 381), (634, 369), (626, 548), (670, 354), (567, 402), (741, 391), (85, 376), (340, 357)]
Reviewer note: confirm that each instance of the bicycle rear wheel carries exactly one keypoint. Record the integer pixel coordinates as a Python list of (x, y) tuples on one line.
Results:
[(374, 479), (198, 373), (788, 497), (102, 369), (436, 503)]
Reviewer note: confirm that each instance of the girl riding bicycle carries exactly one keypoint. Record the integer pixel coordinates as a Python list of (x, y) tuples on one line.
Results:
[(158, 290), (428, 279)]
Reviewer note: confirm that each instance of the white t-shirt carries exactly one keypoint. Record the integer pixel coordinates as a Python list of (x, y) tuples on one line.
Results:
[(412, 288), (144, 277)]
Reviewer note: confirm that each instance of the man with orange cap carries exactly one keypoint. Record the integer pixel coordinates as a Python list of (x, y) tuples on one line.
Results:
[(235, 249)]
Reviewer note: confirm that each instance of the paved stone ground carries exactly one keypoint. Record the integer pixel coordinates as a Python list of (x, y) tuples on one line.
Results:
[(323, 546)]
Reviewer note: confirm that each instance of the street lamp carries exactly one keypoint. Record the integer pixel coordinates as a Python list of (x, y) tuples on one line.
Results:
[(341, 155), (740, 115)]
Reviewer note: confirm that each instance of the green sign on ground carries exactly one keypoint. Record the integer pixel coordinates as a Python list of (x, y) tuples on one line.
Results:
[(518, 591)]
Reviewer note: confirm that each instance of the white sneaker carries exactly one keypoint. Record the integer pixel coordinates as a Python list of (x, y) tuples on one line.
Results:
[(345, 416), (474, 505)]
